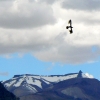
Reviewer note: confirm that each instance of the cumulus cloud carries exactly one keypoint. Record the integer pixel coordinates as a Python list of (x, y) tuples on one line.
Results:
[(48, 1), (40, 28), (25, 14), (66, 53), (81, 5)]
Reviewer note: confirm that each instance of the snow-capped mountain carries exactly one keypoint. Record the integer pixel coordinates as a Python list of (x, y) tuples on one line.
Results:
[(28, 84)]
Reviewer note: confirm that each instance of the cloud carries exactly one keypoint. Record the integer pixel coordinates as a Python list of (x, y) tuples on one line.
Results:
[(4, 73), (69, 54), (48, 1), (81, 5), (46, 36), (7, 56), (25, 14), (50, 67)]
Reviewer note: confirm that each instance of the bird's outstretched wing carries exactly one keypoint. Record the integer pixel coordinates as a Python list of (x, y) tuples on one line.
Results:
[(70, 22)]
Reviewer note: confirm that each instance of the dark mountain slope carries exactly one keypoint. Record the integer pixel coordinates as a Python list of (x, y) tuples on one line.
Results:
[(6, 95), (72, 89), (83, 88)]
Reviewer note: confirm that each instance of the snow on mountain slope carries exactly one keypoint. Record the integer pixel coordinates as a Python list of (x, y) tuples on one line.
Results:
[(88, 75), (36, 83)]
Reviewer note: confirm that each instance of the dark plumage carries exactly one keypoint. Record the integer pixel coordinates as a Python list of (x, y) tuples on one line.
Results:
[(70, 26)]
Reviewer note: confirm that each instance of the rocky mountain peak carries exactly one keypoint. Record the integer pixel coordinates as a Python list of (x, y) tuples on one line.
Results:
[(79, 74)]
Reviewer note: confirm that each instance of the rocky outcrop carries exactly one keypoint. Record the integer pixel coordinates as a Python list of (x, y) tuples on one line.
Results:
[(79, 74)]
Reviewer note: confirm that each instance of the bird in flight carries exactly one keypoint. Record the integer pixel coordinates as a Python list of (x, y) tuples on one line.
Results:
[(70, 26)]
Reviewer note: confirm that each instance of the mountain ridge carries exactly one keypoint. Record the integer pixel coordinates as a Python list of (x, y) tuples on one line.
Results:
[(31, 86), (71, 89)]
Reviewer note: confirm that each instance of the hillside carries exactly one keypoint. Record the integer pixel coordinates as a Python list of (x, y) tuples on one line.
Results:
[(6, 95)]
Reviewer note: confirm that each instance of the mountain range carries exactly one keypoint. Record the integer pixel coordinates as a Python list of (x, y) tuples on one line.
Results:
[(73, 86)]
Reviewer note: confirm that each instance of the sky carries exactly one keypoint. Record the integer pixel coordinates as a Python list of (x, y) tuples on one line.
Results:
[(34, 38)]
